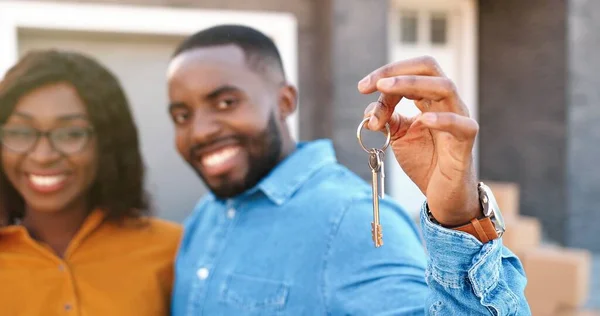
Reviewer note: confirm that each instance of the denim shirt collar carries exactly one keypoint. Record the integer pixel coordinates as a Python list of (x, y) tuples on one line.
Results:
[(292, 172)]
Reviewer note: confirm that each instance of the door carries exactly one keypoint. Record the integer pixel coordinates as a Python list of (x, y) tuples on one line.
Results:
[(441, 29)]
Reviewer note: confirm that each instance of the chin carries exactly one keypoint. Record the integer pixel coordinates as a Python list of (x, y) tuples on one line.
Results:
[(46, 204), (226, 189), (46, 208)]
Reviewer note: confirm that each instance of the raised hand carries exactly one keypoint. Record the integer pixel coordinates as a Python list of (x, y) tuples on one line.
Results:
[(434, 148)]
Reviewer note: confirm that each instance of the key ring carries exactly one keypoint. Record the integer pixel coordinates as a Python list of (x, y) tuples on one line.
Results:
[(387, 142)]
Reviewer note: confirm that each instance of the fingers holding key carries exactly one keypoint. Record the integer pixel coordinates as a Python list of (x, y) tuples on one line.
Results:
[(419, 79), (381, 111), (381, 114), (436, 94), (421, 66)]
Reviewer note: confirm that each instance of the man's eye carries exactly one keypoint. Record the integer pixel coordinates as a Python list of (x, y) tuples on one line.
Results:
[(225, 104)]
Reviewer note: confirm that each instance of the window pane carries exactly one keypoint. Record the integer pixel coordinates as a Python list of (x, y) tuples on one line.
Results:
[(408, 27), (439, 27)]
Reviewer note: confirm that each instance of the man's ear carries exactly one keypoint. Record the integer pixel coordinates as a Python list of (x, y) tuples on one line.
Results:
[(288, 101)]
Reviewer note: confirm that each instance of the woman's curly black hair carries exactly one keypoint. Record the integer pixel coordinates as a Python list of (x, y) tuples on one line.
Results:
[(119, 186)]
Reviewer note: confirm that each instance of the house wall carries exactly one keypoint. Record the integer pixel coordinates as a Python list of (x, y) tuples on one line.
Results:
[(522, 104), (584, 124), (359, 46)]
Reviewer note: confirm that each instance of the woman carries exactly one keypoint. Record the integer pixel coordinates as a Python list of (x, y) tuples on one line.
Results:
[(75, 238)]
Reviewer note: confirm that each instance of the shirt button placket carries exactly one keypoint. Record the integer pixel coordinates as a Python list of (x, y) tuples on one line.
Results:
[(199, 289), (231, 213), (68, 305)]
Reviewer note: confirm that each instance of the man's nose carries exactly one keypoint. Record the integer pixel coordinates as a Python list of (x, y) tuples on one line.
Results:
[(205, 127), (43, 152)]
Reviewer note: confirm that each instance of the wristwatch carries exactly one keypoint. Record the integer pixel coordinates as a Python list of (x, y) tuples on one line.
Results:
[(489, 227)]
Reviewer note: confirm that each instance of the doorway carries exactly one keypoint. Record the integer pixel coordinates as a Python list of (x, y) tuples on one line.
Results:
[(445, 30)]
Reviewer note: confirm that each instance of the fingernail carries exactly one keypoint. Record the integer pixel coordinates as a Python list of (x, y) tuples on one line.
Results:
[(429, 117), (364, 82), (385, 83), (373, 122)]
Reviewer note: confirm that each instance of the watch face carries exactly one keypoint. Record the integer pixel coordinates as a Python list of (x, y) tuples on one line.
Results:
[(491, 208)]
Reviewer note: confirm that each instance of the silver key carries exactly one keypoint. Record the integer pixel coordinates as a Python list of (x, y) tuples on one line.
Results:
[(382, 172), (375, 163), (376, 158)]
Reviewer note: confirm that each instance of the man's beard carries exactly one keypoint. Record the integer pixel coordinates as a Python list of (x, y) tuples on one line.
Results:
[(264, 151)]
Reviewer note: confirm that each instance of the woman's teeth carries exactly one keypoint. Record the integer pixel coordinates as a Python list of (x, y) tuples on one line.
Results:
[(46, 181)]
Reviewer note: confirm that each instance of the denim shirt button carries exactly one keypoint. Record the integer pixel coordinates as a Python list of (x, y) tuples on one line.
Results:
[(231, 213), (202, 273)]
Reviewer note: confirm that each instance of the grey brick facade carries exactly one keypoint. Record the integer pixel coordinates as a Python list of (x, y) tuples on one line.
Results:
[(539, 114), (522, 100), (359, 45), (583, 175)]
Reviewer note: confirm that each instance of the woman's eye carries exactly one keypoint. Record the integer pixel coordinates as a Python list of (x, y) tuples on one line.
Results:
[(180, 117)]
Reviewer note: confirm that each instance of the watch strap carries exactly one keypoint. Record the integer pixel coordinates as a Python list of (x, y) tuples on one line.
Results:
[(483, 229)]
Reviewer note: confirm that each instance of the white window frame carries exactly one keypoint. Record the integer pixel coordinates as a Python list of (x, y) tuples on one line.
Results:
[(468, 48), (15, 15), (468, 43)]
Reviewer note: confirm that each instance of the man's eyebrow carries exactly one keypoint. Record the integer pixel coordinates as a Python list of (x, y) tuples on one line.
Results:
[(220, 90), (211, 95)]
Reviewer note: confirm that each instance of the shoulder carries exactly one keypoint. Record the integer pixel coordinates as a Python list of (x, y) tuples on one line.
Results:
[(152, 230), (391, 214), (352, 195), (349, 197), (337, 183), (356, 211), (164, 227)]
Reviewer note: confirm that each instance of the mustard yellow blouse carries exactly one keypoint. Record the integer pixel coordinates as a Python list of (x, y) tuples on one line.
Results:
[(108, 270)]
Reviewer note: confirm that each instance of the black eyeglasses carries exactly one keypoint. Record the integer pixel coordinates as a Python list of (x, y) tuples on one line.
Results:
[(67, 140)]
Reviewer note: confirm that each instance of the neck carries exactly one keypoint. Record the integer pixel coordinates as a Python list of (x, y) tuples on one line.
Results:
[(288, 146), (55, 229)]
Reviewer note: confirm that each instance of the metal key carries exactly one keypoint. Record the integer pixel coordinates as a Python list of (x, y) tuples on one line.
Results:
[(376, 164), (382, 172)]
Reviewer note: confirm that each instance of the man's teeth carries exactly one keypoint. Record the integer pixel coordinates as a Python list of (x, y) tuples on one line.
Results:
[(46, 181), (219, 157)]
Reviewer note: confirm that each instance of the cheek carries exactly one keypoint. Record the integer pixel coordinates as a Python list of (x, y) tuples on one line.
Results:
[(87, 164), (247, 121), (10, 162), (181, 142)]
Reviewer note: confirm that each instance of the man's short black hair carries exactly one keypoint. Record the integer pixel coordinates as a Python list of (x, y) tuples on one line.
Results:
[(259, 49)]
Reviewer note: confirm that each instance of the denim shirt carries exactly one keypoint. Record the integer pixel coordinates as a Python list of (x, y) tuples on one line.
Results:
[(299, 243)]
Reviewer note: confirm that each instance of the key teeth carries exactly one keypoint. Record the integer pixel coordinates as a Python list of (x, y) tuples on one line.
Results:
[(376, 235)]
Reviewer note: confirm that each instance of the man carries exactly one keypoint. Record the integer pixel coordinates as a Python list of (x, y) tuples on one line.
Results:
[(285, 228)]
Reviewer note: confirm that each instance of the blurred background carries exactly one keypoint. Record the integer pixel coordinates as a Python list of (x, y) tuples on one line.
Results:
[(526, 69)]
